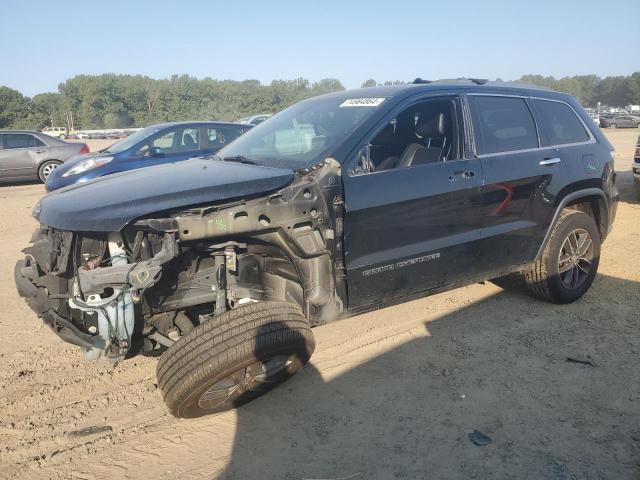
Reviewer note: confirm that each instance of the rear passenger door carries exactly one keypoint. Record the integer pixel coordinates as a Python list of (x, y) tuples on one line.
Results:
[(522, 179), (516, 200)]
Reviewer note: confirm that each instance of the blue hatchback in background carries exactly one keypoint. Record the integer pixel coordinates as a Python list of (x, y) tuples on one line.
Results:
[(154, 145)]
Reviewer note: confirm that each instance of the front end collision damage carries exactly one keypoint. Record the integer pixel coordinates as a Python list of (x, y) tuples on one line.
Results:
[(89, 308), (105, 292)]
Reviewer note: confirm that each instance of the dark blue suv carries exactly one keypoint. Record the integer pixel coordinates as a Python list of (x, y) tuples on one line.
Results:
[(154, 145)]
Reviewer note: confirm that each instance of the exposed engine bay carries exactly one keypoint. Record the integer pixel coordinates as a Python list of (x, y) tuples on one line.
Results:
[(119, 293)]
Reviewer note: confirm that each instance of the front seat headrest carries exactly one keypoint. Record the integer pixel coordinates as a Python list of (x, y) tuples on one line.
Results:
[(188, 140), (431, 128)]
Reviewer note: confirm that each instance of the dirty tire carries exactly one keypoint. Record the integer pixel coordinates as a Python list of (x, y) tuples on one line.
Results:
[(244, 353), (544, 279), (45, 169)]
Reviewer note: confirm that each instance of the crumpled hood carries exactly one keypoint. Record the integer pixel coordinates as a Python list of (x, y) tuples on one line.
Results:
[(107, 204)]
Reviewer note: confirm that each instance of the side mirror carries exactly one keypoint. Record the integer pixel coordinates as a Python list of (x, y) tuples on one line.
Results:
[(154, 152), (363, 161)]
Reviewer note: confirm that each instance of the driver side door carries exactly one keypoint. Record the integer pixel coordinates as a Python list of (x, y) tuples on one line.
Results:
[(412, 226)]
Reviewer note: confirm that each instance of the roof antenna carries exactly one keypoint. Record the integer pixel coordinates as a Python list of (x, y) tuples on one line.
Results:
[(418, 81)]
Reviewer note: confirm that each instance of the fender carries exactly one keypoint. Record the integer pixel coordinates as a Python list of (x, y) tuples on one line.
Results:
[(587, 192)]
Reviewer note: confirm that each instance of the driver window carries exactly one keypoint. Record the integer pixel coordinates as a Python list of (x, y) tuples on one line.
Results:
[(176, 140), (424, 133), (164, 144)]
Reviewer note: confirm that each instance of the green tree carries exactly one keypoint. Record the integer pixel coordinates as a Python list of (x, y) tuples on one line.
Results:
[(50, 109), (369, 83), (13, 107)]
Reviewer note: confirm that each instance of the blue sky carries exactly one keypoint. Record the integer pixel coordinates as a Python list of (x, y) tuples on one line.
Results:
[(44, 43)]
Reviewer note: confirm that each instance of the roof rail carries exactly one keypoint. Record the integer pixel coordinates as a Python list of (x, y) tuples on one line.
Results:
[(477, 81)]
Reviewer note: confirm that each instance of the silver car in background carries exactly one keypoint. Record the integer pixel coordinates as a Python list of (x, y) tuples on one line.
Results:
[(29, 155), (620, 121), (255, 119)]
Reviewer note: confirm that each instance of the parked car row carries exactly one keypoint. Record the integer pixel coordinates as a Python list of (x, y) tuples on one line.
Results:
[(636, 165), (620, 121), (254, 119), (28, 155)]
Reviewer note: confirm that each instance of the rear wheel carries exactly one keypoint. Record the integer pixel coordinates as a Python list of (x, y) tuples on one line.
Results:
[(46, 168), (569, 261), (233, 358), (613, 125)]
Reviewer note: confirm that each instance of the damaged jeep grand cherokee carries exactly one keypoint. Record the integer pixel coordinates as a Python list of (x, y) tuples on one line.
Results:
[(338, 204)]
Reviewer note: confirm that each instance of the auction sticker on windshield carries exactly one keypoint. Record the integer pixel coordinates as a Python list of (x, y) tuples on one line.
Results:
[(362, 102)]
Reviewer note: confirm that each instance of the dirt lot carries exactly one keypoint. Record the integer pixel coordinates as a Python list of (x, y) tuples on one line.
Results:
[(390, 394)]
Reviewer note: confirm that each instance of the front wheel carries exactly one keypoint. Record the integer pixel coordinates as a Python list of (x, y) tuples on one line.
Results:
[(613, 125), (46, 168), (569, 261), (233, 358)]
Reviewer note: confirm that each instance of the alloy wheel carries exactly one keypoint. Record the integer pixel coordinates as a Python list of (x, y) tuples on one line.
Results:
[(252, 378), (46, 171), (575, 259)]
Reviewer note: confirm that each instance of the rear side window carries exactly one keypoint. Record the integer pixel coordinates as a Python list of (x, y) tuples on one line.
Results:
[(559, 124), (20, 140), (502, 124), (217, 137)]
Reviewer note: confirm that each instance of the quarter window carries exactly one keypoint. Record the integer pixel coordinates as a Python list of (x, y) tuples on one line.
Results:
[(559, 124), (502, 124)]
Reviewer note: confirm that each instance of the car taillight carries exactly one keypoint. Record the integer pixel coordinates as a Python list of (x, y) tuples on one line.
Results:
[(84, 149)]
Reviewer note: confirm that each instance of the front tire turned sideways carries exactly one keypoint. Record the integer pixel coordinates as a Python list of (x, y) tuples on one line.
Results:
[(569, 261), (233, 358)]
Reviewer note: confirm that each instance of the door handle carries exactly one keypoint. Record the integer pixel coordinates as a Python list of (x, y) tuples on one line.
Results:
[(550, 161), (40, 151)]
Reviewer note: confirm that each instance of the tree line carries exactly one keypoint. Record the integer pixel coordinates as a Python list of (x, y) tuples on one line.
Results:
[(120, 101), (617, 91)]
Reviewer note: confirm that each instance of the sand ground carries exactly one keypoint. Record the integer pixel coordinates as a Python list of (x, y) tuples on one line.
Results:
[(389, 394)]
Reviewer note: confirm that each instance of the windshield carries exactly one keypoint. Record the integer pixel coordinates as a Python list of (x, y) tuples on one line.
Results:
[(131, 140), (303, 134)]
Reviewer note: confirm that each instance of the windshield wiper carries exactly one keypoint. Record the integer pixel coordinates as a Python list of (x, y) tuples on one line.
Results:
[(238, 159)]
